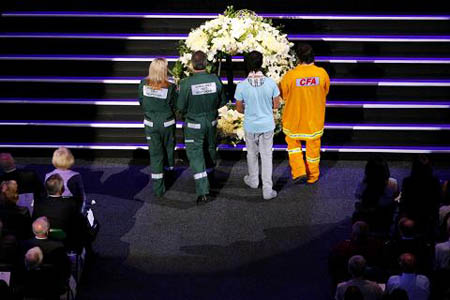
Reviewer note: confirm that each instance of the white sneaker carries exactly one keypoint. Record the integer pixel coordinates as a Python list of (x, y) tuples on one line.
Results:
[(250, 184), (272, 194)]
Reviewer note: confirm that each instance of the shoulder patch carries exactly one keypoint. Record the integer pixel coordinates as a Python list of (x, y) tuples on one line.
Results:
[(204, 88), (160, 94)]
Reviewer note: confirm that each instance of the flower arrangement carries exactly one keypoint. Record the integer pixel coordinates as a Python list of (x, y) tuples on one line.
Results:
[(237, 32)]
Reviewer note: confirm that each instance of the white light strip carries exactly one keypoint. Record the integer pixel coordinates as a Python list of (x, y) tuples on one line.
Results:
[(134, 125), (368, 39), (174, 59), (398, 105), (367, 149), (213, 15), (183, 37)]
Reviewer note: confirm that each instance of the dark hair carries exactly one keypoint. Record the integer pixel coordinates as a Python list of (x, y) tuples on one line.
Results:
[(199, 60), (398, 294), (376, 176), (356, 266), (353, 293), (253, 61), (421, 167), (54, 184), (305, 53)]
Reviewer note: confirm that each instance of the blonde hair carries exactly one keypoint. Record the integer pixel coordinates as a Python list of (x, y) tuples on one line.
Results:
[(63, 158), (157, 74)]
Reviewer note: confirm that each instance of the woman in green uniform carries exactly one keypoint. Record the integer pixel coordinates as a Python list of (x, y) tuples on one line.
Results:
[(157, 98)]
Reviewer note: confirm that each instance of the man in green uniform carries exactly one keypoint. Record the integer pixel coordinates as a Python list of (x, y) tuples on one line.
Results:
[(157, 100), (199, 98)]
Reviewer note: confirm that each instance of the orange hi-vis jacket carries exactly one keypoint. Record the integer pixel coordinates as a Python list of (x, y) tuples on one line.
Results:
[(304, 90)]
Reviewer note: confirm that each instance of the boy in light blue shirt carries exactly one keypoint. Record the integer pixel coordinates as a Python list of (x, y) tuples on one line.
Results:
[(256, 97)]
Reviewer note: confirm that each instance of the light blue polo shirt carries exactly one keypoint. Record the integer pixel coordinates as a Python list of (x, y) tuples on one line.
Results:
[(258, 104)]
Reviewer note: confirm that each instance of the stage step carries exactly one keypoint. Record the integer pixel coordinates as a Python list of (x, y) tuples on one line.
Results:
[(337, 67), (114, 22), (70, 78)]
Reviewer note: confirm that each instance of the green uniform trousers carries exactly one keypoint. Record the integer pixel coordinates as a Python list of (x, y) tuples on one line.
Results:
[(200, 141), (161, 141)]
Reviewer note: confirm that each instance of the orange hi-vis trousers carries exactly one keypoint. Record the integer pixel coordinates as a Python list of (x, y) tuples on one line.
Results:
[(299, 167)]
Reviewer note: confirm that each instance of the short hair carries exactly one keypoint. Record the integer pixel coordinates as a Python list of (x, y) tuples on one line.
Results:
[(360, 230), (54, 184), (421, 167), (356, 266), (41, 226), (305, 53), (7, 162), (157, 73), (63, 158), (33, 258), (406, 227), (253, 61), (9, 191), (408, 263), (353, 293), (199, 60)]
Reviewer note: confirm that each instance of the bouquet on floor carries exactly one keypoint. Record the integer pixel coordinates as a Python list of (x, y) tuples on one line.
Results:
[(237, 32)]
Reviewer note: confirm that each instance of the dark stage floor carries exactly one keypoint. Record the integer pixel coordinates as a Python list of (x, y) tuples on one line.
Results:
[(236, 247)]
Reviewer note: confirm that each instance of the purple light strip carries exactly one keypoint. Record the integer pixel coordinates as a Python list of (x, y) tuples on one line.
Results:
[(142, 58), (134, 102), (222, 147), (134, 124), (292, 37), (136, 80), (213, 15)]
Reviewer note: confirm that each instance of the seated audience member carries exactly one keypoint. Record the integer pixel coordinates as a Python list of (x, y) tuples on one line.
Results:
[(63, 160), (16, 219), (8, 248), (417, 286), (53, 251), (376, 195), (353, 293), (398, 294), (408, 242), (5, 291), (61, 212), (444, 211), (441, 276), (360, 243), (27, 180), (41, 281), (421, 195), (356, 268), (442, 254)]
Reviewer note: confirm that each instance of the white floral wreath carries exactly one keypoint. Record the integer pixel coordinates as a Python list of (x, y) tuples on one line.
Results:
[(237, 32)]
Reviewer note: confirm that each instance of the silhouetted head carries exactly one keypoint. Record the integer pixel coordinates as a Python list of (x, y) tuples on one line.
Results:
[(199, 60), (408, 263), (253, 61), (304, 53), (421, 167), (356, 266), (54, 185)]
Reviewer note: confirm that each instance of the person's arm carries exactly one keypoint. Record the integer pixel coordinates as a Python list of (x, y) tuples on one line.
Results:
[(222, 96), (181, 103), (140, 93), (76, 187), (284, 87), (327, 83), (240, 107), (276, 97)]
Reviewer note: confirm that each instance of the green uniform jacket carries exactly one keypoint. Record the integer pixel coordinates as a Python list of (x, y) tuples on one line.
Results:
[(156, 107), (200, 96)]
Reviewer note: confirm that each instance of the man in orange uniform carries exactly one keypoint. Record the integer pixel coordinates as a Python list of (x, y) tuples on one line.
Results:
[(304, 90)]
